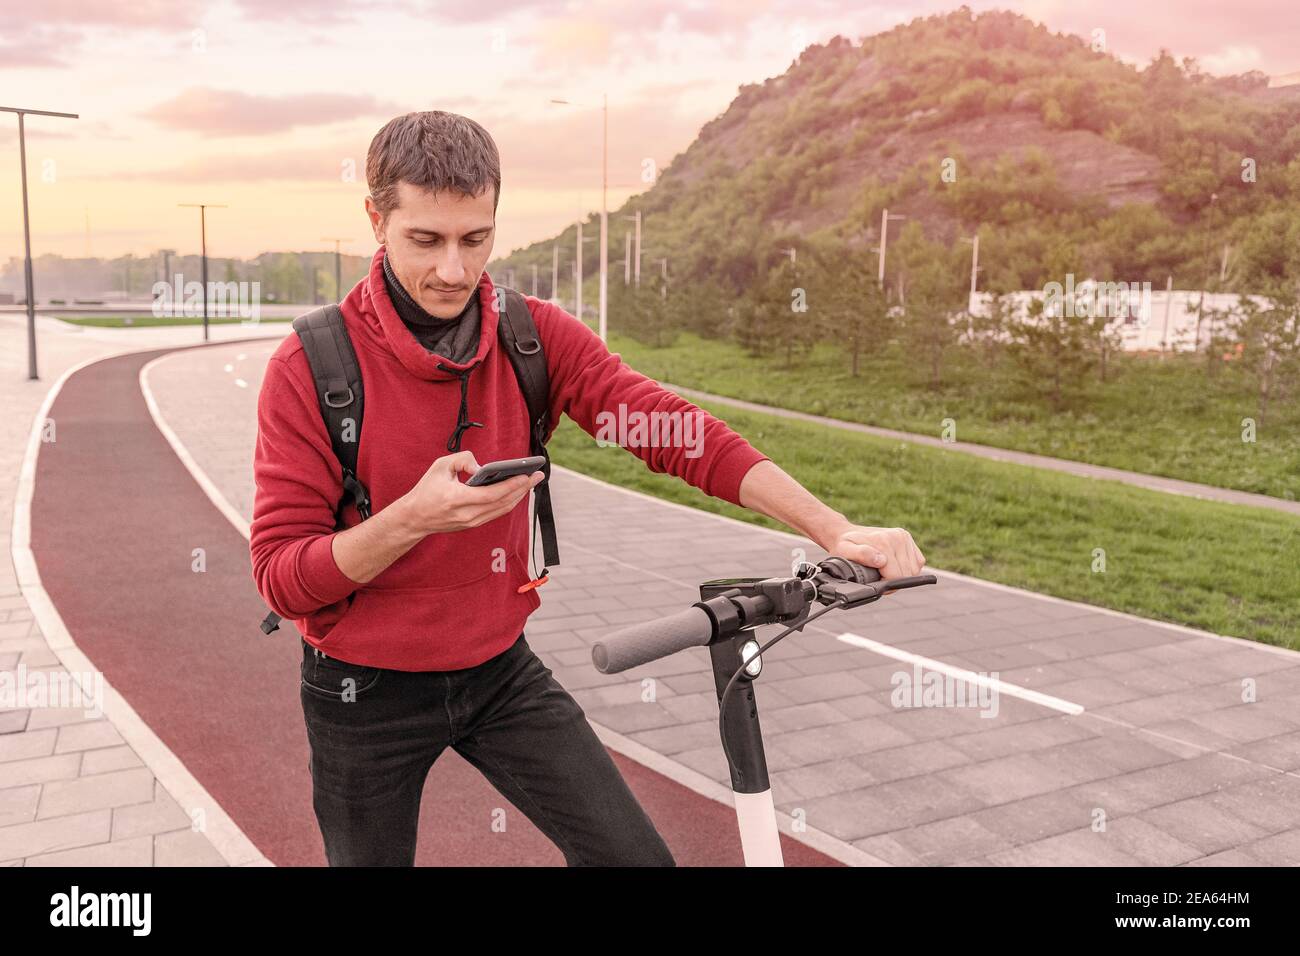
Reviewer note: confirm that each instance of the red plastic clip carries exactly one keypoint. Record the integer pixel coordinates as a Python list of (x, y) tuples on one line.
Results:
[(534, 583)]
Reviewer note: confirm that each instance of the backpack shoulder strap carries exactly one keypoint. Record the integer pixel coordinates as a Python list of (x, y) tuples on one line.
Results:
[(518, 334), (334, 366)]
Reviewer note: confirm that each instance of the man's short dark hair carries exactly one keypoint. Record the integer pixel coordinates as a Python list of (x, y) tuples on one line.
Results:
[(432, 150)]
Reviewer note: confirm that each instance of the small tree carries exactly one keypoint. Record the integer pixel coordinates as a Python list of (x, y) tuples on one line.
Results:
[(1053, 347), (1270, 336), (851, 306)]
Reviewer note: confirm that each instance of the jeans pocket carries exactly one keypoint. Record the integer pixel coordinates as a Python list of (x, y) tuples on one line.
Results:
[(334, 679)]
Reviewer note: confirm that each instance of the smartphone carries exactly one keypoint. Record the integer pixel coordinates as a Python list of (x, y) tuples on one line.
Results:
[(495, 471)]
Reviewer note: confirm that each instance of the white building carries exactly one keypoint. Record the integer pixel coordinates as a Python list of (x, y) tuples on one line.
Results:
[(1146, 320)]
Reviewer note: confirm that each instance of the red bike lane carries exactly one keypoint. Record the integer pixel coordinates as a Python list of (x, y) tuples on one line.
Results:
[(116, 521)]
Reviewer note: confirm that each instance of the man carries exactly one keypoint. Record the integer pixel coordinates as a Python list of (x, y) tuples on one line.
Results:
[(413, 618)]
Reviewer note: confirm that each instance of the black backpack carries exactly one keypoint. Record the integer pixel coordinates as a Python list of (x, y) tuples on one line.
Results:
[(334, 365)]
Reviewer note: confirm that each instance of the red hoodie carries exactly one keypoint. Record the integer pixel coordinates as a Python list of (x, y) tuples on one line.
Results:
[(451, 601)]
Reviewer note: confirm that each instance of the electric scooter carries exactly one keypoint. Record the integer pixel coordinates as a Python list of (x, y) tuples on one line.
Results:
[(723, 620)]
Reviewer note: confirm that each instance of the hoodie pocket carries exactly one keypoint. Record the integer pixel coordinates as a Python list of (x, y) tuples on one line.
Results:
[(434, 628)]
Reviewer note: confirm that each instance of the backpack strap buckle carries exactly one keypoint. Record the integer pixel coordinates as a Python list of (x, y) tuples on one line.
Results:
[(332, 402)]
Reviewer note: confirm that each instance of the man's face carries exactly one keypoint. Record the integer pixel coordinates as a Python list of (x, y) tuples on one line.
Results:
[(438, 244)]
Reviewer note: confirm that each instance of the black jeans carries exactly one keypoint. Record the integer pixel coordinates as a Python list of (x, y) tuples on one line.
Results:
[(374, 734)]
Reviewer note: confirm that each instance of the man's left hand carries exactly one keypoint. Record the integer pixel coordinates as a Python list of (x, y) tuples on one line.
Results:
[(891, 551)]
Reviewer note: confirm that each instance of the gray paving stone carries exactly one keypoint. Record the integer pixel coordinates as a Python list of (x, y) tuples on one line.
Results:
[(985, 743), (87, 736), (185, 848), (136, 852), (1075, 848), (41, 769), (1036, 818), (799, 717), (889, 807), (1198, 822), (676, 738), (1280, 849), (1148, 843), (160, 815), (885, 847), (807, 689), (24, 746), (821, 779), (945, 842), (830, 742), (114, 789), (24, 840), (910, 760), (1169, 783), (18, 804)]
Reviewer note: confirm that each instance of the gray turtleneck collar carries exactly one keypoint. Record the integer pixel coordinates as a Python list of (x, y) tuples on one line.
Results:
[(456, 339)]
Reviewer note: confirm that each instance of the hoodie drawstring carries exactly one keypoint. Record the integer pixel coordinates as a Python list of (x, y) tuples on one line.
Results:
[(463, 423)]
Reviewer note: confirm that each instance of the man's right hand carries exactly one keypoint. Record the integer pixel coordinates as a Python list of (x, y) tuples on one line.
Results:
[(441, 502)]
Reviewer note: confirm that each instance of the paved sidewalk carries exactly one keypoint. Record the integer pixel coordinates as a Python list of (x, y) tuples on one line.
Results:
[(1148, 735), (73, 792)]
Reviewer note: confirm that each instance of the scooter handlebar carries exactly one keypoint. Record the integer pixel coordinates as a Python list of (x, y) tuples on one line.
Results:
[(643, 643)]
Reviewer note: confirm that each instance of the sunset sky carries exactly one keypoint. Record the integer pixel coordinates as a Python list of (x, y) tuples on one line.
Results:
[(261, 106)]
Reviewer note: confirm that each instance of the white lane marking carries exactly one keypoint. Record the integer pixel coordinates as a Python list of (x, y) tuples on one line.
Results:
[(960, 673), (221, 830), (209, 488)]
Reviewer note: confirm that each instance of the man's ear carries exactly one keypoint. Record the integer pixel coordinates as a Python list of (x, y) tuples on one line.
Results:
[(378, 222)]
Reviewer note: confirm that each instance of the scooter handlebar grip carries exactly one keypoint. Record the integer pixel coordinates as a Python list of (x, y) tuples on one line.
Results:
[(643, 643)]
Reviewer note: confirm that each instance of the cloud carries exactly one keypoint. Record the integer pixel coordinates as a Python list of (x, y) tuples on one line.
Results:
[(1232, 59), (321, 164), (36, 48), (215, 112)]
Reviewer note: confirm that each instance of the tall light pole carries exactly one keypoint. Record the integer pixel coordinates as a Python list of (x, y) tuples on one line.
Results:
[(338, 264), (974, 268), (27, 231), (885, 217), (203, 241), (663, 273), (577, 280), (554, 296), (604, 213), (636, 247)]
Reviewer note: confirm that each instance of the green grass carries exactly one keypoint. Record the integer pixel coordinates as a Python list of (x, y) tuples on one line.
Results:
[(1155, 417), (1225, 568), (151, 321)]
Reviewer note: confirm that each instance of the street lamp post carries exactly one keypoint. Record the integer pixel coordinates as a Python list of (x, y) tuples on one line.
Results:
[(338, 264), (203, 243), (555, 272), (27, 232), (974, 268), (577, 281), (885, 217)]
